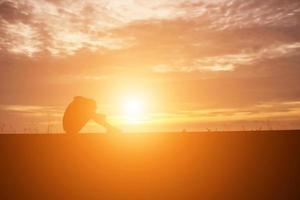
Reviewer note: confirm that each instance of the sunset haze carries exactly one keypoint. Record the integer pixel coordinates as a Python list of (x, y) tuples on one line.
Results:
[(151, 66)]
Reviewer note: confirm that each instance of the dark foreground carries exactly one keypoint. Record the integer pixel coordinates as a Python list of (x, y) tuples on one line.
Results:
[(245, 165)]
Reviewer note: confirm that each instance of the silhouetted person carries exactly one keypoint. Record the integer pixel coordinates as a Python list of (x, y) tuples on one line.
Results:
[(79, 112)]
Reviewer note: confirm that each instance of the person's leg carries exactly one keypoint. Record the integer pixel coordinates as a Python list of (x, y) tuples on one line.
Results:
[(101, 119)]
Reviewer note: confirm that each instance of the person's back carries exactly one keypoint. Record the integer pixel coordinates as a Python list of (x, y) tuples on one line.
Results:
[(78, 114)]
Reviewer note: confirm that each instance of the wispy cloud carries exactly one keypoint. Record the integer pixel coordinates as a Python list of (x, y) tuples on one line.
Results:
[(232, 61), (236, 14), (262, 111), (21, 39), (64, 27), (32, 110)]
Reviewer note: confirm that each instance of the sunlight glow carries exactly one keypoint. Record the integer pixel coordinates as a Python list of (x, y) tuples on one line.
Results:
[(133, 109)]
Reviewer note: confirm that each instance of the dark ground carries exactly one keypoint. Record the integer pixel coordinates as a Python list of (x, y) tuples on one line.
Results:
[(237, 165)]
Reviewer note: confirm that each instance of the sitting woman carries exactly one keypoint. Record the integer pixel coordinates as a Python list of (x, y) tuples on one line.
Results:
[(79, 112)]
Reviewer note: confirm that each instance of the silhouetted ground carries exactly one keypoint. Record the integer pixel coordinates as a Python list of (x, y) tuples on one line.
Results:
[(237, 165)]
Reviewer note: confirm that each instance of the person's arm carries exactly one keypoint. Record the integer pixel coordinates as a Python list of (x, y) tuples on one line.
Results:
[(101, 119)]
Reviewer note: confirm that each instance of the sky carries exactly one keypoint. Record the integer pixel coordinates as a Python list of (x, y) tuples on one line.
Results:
[(190, 64)]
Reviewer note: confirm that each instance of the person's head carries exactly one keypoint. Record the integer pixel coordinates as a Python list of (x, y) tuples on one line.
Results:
[(85, 104)]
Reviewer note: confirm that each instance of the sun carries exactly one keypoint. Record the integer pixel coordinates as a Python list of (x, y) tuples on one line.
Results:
[(133, 109)]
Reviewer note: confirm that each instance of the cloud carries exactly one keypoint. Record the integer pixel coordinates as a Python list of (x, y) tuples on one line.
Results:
[(236, 14), (263, 111), (230, 62), (57, 28), (22, 39), (64, 27), (33, 110), (11, 11)]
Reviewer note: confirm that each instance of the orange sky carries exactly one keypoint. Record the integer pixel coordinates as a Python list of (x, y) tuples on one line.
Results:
[(194, 65)]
